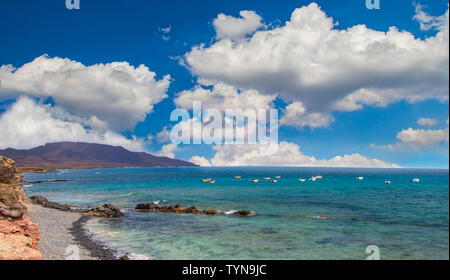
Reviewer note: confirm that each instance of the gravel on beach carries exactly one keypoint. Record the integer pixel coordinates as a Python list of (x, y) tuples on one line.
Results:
[(62, 236)]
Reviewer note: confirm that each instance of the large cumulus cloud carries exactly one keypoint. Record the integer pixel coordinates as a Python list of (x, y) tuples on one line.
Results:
[(116, 93), (309, 60)]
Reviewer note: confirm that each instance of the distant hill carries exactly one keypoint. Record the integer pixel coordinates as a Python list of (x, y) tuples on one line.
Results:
[(71, 155)]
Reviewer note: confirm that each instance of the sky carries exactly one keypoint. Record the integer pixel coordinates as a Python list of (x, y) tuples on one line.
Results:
[(354, 86)]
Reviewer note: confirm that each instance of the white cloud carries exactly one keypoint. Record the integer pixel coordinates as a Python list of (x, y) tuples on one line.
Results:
[(418, 138), (427, 122), (288, 154), (222, 97), (310, 61), (201, 161), (163, 136), (228, 27), (27, 124), (428, 22), (165, 32), (168, 150), (117, 93), (295, 115), (422, 137)]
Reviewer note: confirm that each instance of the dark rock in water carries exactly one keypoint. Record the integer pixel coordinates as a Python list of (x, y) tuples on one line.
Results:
[(243, 213), (40, 200), (146, 206), (105, 211), (211, 211), (151, 207), (192, 210), (124, 258), (49, 181)]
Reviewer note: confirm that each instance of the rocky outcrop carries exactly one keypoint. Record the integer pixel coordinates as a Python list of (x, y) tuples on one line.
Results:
[(105, 211), (151, 207), (19, 237), (42, 201), (243, 213)]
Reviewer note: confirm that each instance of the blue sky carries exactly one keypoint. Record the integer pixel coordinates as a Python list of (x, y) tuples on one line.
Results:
[(132, 31)]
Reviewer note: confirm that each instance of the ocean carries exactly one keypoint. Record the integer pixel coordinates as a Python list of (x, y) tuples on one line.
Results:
[(336, 217)]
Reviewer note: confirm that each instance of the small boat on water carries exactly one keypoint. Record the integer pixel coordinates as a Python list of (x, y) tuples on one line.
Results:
[(274, 181), (319, 217), (206, 180), (267, 178), (213, 182), (313, 178), (278, 177), (359, 178), (302, 180), (237, 177), (255, 180), (416, 180), (319, 177), (27, 185), (387, 182)]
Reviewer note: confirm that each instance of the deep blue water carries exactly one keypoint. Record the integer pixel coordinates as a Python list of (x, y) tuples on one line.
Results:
[(406, 220)]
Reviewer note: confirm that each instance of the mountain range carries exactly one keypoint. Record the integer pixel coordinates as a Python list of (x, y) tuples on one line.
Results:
[(78, 155)]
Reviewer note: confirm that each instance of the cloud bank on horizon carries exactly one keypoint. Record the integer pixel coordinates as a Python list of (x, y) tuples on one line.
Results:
[(308, 64)]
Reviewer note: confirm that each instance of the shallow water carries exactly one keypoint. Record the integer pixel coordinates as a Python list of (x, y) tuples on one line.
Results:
[(406, 220)]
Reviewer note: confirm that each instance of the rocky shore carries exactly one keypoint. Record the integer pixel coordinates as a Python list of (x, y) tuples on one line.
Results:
[(60, 234), (19, 236)]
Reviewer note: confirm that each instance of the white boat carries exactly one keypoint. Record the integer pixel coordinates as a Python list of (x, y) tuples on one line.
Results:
[(387, 182), (359, 178), (319, 177), (314, 178), (27, 185), (302, 180), (416, 180)]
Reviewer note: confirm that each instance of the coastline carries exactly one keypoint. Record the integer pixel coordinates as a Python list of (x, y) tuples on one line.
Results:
[(61, 231)]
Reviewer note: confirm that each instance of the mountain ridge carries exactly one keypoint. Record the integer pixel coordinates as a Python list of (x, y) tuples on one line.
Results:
[(81, 155)]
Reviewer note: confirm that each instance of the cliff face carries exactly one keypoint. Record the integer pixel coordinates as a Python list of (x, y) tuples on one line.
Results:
[(18, 235)]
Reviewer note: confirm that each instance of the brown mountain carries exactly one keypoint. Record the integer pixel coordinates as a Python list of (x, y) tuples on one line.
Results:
[(71, 155)]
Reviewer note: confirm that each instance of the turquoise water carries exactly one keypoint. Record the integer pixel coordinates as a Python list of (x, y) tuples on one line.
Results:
[(406, 220)]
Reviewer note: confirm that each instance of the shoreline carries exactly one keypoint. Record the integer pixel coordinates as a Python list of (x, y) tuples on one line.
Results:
[(83, 238), (61, 231)]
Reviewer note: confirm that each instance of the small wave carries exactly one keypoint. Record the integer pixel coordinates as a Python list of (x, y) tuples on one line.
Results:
[(126, 195)]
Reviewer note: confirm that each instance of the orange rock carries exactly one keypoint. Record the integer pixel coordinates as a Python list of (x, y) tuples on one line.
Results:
[(19, 237)]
